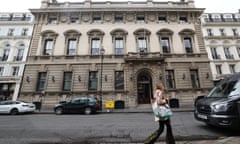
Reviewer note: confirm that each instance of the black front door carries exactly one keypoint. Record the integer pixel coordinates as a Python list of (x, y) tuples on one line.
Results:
[(144, 88)]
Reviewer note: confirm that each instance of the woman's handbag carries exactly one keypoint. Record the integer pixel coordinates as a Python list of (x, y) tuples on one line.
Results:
[(161, 111)]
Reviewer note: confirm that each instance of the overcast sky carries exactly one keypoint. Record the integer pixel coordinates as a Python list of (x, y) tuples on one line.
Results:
[(222, 6)]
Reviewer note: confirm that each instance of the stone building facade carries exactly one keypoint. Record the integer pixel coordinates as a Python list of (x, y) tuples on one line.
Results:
[(116, 51), (222, 39), (15, 36)]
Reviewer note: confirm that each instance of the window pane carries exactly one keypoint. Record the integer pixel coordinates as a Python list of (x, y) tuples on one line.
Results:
[(142, 44), (67, 84), (170, 80), (41, 81), (119, 80), (195, 78), (93, 81), (188, 45), (72, 45), (96, 46), (165, 45), (48, 47), (119, 46)]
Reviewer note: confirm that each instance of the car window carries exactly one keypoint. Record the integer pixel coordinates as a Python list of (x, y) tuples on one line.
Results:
[(236, 90), (223, 90)]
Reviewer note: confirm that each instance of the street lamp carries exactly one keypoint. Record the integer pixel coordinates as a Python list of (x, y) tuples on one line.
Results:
[(102, 51)]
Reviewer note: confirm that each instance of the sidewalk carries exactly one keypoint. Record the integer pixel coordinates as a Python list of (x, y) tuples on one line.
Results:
[(225, 140)]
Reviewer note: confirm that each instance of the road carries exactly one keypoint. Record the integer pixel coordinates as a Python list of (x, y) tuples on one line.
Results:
[(99, 128)]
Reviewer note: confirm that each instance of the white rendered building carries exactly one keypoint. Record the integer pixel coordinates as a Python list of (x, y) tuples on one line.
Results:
[(15, 36), (222, 41)]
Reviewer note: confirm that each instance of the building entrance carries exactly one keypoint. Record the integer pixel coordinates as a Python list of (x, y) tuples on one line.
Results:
[(144, 88)]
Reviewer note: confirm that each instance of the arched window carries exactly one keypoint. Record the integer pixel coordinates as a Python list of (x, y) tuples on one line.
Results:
[(95, 41), (187, 36), (142, 40), (165, 38), (71, 42), (119, 41), (48, 42)]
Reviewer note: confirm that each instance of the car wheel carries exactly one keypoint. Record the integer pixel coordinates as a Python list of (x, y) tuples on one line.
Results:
[(14, 112), (59, 111), (88, 111)]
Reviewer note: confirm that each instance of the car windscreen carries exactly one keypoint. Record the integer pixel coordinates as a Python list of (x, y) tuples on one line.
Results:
[(227, 89)]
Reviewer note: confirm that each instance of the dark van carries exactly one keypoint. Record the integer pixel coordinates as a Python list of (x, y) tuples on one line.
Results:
[(221, 107)]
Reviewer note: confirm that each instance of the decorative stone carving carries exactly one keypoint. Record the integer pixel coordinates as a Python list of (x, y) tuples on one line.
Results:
[(173, 18), (63, 19), (86, 18), (130, 17), (151, 17), (108, 18)]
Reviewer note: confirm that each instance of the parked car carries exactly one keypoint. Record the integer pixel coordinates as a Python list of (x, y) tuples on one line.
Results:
[(86, 105), (221, 107), (16, 107)]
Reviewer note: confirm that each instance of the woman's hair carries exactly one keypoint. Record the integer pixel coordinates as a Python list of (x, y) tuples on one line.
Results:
[(160, 86)]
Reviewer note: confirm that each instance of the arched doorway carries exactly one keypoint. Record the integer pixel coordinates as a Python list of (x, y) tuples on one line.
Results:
[(144, 88)]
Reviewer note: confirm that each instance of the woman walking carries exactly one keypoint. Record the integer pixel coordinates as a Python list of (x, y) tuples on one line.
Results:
[(161, 100)]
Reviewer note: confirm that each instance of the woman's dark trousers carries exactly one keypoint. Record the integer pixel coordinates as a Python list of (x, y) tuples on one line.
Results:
[(169, 136)]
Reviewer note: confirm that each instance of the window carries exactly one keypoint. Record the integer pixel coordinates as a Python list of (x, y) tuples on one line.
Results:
[(93, 80), (188, 45), (183, 19), (96, 19), (24, 32), (170, 80), (5, 18), (17, 18), (5, 54), (71, 48), (194, 78), (219, 69), (1, 71), (95, 50), (235, 33), (140, 19), (10, 32), (142, 44), (227, 53), (162, 19), (3, 31), (52, 20), (67, 81), (165, 45), (119, 46), (214, 54), (42, 77), (19, 56), (74, 19), (119, 80), (222, 32), (118, 19), (48, 46), (232, 68), (238, 50), (209, 32), (15, 71)]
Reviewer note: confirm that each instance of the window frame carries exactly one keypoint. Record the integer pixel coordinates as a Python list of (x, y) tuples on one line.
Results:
[(194, 74), (67, 81), (119, 79), (92, 81), (42, 80), (170, 79)]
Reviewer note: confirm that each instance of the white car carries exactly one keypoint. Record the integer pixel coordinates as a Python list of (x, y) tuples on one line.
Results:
[(16, 107)]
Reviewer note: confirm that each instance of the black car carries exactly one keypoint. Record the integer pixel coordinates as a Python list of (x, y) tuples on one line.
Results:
[(221, 107), (86, 105)]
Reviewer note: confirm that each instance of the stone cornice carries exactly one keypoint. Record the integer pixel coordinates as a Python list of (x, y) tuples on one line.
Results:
[(126, 9)]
